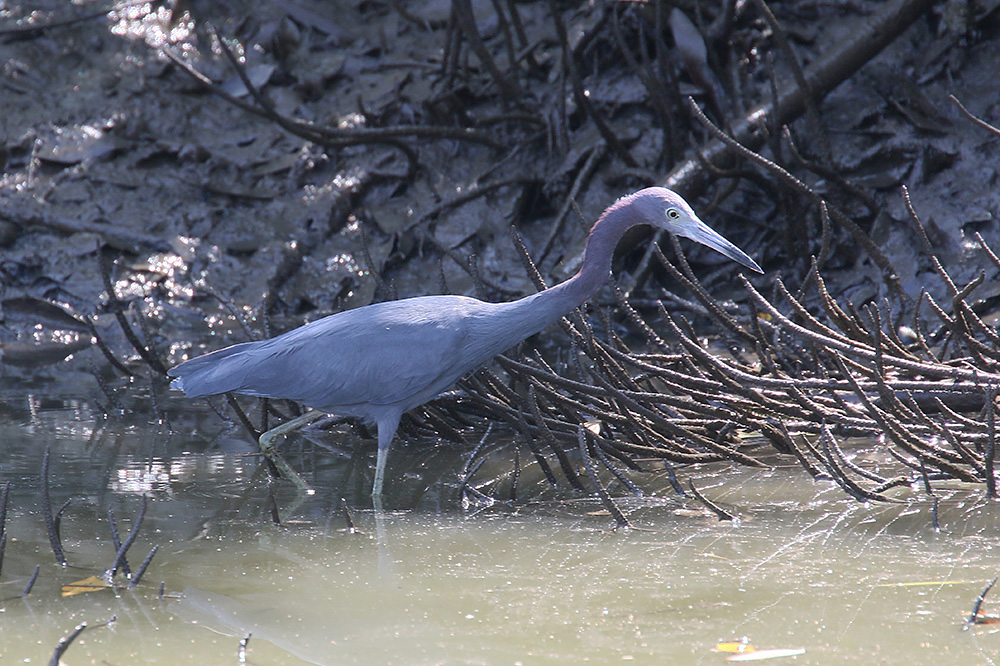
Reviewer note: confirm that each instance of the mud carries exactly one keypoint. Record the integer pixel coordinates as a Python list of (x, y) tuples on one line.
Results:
[(216, 223)]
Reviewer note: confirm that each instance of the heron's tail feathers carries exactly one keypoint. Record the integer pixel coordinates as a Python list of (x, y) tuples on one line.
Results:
[(220, 372)]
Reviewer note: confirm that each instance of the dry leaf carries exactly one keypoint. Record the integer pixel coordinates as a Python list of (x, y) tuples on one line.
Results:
[(89, 584), (742, 650)]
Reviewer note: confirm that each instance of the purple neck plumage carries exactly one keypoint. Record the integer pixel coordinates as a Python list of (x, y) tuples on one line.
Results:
[(600, 250), (533, 313)]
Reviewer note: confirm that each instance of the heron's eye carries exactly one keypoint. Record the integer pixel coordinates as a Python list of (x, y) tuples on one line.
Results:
[(673, 213)]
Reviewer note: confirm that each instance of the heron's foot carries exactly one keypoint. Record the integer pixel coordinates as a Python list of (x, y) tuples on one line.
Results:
[(270, 449), (284, 469)]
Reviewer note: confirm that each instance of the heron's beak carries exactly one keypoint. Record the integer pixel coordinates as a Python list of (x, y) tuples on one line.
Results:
[(706, 235)]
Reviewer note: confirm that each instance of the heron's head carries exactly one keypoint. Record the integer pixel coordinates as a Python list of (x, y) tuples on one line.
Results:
[(665, 209)]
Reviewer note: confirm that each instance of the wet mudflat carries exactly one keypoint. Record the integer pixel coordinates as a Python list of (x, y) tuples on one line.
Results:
[(803, 567)]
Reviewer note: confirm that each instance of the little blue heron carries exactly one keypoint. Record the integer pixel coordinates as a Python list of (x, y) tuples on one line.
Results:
[(378, 361)]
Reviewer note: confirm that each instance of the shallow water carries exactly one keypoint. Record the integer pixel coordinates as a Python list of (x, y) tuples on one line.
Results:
[(803, 567)]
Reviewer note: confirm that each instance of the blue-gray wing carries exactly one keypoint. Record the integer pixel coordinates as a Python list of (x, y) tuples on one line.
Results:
[(395, 353)]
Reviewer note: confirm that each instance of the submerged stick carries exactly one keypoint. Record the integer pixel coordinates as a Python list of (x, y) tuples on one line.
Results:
[(31, 581), (716, 509), (976, 607), (609, 504), (116, 540), (988, 457), (50, 524), (348, 519), (120, 555), (57, 518), (64, 644), (242, 654), (3, 508), (142, 568)]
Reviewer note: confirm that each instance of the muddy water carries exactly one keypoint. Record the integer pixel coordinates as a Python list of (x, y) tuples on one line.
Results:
[(803, 568)]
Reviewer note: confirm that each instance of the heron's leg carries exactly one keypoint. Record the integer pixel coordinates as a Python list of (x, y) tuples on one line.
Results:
[(386, 431), (269, 449)]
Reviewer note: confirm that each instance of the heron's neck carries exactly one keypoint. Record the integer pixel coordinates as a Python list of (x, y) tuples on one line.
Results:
[(597, 256), (539, 310)]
